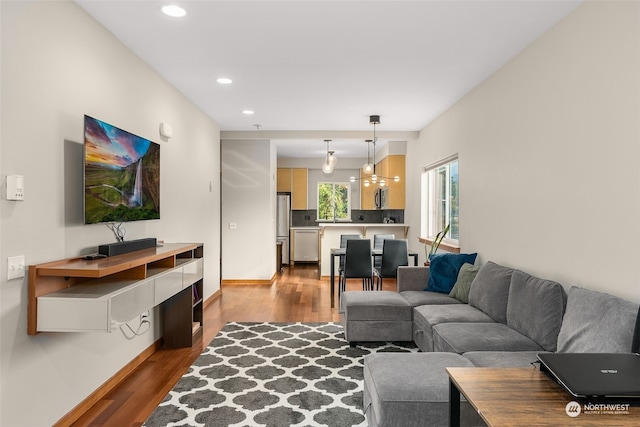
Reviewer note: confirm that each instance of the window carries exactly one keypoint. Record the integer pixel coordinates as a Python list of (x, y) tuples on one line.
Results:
[(334, 202), (440, 199)]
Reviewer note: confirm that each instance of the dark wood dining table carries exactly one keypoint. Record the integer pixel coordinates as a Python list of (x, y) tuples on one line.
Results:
[(338, 252)]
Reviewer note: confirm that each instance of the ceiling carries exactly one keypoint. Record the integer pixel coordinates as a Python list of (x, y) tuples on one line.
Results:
[(327, 65)]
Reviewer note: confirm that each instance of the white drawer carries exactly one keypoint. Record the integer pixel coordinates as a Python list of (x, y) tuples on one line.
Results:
[(98, 305), (192, 272), (167, 285), (72, 315), (129, 304)]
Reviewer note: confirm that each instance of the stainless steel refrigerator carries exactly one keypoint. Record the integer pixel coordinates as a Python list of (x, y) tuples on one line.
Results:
[(283, 218)]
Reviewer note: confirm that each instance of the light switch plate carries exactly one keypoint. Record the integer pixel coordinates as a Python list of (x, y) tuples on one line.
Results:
[(15, 267)]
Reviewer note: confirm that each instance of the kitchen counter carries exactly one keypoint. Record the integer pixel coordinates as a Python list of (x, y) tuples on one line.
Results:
[(362, 227), (359, 224)]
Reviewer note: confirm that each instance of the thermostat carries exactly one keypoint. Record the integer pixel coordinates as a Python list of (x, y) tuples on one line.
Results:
[(166, 130), (15, 187)]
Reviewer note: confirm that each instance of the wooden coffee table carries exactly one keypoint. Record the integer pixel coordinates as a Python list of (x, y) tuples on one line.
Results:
[(526, 396)]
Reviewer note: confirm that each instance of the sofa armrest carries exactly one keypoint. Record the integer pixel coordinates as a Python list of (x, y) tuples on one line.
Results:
[(411, 278)]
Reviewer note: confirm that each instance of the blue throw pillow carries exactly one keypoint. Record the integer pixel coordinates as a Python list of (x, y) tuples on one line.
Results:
[(444, 269)]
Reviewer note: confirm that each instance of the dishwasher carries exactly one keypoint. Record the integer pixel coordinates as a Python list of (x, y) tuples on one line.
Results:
[(305, 245)]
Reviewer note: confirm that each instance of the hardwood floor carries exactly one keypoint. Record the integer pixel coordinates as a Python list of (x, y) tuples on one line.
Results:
[(297, 296)]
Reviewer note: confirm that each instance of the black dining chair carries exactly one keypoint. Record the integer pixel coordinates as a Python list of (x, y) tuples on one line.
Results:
[(395, 253), (343, 244), (358, 264), (378, 240)]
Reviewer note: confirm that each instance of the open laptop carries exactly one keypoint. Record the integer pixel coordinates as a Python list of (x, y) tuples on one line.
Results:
[(596, 376)]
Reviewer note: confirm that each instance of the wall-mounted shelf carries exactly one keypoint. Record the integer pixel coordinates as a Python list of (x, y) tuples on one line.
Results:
[(78, 295)]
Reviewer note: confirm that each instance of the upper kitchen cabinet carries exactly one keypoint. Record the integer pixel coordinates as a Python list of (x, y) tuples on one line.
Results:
[(283, 182), (391, 166), (294, 181), (395, 166), (299, 188)]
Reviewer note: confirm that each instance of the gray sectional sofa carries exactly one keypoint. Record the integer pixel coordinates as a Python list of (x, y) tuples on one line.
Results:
[(509, 318), (508, 310)]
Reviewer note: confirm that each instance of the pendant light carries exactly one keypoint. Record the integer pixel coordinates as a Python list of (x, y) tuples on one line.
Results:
[(374, 120), (330, 161), (367, 168), (370, 168)]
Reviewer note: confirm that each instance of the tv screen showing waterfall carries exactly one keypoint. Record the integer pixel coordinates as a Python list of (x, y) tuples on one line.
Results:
[(121, 175)]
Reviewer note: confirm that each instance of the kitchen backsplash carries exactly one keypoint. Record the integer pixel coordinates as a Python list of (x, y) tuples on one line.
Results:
[(307, 218)]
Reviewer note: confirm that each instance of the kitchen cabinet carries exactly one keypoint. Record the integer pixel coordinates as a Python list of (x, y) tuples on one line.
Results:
[(299, 185), (395, 166), (294, 181), (390, 166), (283, 181)]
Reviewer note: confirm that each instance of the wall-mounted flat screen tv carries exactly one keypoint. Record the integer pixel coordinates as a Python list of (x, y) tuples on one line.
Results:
[(121, 175)]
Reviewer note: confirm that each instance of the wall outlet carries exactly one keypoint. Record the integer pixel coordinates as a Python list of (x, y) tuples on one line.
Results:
[(15, 267)]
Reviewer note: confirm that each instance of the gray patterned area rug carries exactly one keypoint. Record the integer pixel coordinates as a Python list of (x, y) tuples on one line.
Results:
[(275, 375)]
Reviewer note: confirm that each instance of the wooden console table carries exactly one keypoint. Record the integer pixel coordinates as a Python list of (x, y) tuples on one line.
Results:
[(523, 396), (78, 295)]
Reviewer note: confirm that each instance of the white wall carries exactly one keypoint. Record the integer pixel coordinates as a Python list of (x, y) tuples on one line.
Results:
[(309, 163), (549, 148), (393, 147), (249, 202), (57, 65)]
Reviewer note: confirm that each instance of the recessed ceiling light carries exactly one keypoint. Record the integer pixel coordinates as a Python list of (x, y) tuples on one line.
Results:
[(174, 11), (224, 81), (247, 112)]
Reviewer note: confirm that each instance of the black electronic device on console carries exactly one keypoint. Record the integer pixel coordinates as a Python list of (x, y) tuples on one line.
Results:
[(91, 257), (126, 247)]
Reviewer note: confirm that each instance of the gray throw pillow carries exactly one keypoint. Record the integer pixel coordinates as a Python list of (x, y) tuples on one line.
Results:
[(596, 322), (462, 286)]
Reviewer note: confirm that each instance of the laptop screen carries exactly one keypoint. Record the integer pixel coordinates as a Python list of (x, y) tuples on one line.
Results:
[(595, 375)]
